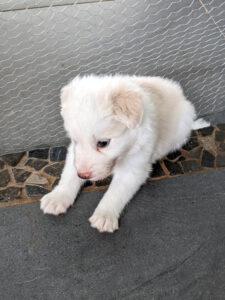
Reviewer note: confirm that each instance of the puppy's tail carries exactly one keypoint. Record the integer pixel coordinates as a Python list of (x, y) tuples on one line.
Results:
[(200, 123)]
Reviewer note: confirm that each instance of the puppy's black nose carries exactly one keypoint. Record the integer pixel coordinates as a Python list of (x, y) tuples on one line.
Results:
[(84, 175)]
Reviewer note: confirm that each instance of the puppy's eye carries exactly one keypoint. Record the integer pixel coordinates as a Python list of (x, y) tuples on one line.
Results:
[(103, 143)]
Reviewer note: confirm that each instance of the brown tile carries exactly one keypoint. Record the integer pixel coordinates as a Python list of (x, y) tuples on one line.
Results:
[(173, 167), (20, 175), (35, 190), (220, 160), (10, 193), (206, 146), (173, 155), (36, 178), (221, 126), (206, 131), (54, 169), (208, 143), (221, 147), (4, 178), (157, 171), (195, 153), (191, 144), (2, 164), (220, 136), (12, 159), (208, 159), (39, 153), (190, 166), (37, 164)]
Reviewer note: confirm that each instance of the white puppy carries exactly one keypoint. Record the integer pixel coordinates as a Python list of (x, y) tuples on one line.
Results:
[(118, 125)]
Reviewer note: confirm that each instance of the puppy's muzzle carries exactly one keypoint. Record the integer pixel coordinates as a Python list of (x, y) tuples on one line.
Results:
[(84, 175)]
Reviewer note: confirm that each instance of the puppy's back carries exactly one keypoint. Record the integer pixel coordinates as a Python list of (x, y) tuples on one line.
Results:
[(175, 114)]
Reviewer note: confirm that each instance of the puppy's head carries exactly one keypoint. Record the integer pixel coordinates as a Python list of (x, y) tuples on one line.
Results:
[(101, 116)]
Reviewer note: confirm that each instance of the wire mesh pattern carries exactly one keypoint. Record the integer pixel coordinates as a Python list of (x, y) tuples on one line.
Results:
[(46, 43)]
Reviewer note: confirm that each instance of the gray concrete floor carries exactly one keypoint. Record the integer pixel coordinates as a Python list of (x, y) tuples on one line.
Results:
[(171, 245)]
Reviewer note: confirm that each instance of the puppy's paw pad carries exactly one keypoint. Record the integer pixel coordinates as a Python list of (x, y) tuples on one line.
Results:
[(55, 203), (104, 221)]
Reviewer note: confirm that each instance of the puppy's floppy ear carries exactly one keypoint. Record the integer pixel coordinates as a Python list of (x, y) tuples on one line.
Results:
[(128, 107), (64, 93)]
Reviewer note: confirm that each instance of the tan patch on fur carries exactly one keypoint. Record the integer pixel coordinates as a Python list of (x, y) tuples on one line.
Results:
[(64, 94), (128, 107), (148, 85), (115, 130)]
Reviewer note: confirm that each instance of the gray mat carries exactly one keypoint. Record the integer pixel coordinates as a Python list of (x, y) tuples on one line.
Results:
[(171, 245)]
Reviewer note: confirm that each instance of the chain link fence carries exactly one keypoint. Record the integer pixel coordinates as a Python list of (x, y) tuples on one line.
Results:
[(45, 43)]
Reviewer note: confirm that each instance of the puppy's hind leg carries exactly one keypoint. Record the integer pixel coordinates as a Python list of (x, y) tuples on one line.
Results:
[(63, 195), (184, 126)]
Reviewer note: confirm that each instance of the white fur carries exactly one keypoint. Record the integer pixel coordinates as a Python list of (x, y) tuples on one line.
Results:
[(145, 118), (200, 123)]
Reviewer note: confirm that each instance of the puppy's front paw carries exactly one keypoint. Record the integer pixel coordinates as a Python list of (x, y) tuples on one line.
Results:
[(55, 203), (104, 221)]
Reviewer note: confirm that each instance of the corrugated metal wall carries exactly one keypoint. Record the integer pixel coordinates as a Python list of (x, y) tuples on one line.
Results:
[(46, 43)]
